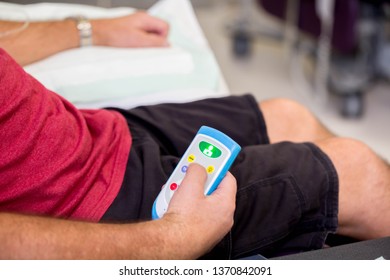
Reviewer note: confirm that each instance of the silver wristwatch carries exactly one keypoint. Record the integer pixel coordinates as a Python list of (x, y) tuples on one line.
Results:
[(85, 30)]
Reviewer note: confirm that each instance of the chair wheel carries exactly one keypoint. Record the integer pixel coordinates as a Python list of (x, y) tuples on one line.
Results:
[(352, 106), (241, 43)]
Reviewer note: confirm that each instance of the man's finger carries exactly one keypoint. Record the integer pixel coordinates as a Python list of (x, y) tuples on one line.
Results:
[(194, 180), (153, 40)]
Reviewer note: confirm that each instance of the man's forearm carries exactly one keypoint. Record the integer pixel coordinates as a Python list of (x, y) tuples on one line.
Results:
[(38, 40), (193, 224), (42, 39), (30, 237)]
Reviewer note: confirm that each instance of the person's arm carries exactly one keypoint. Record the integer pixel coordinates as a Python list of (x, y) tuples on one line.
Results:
[(42, 39), (193, 224)]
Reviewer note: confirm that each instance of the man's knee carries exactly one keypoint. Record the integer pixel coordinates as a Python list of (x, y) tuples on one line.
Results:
[(360, 169), (286, 106), (289, 120), (348, 153), (364, 188)]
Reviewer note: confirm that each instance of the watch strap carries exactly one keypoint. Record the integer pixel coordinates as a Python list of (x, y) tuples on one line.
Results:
[(84, 27)]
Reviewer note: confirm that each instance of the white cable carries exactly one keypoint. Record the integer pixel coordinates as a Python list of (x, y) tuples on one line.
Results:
[(26, 21)]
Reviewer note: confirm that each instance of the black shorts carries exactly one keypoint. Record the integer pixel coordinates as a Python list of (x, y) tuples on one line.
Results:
[(287, 199)]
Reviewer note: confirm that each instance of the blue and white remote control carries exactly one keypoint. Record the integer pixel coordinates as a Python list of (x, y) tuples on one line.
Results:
[(210, 148)]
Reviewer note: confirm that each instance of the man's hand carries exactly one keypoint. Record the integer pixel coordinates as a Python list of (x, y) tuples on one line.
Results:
[(199, 220), (134, 31)]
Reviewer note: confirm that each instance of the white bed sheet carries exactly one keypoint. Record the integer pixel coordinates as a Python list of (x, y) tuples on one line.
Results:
[(98, 77)]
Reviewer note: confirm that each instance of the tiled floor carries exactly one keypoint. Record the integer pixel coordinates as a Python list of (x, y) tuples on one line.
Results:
[(267, 73)]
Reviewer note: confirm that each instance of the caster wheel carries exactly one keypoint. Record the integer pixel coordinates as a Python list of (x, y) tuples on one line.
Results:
[(241, 44), (352, 106)]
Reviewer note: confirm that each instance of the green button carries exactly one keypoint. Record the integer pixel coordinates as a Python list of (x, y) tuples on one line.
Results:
[(209, 149)]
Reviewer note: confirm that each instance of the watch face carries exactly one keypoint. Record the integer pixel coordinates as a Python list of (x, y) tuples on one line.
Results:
[(85, 32), (84, 27)]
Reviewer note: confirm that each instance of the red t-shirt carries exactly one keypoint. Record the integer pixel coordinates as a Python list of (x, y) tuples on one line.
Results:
[(55, 159)]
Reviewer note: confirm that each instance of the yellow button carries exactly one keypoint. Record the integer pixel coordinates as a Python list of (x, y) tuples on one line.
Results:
[(191, 158), (210, 169)]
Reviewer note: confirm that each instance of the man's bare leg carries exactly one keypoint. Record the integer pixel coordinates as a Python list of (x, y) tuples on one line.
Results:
[(364, 188), (288, 120), (364, 178)]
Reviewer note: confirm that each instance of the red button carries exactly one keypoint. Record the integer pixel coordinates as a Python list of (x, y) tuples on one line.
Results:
[(173, 186)]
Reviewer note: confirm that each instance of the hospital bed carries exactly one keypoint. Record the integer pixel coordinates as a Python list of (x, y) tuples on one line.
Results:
[(97, 77)]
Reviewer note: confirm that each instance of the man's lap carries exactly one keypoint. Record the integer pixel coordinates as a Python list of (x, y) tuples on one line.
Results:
[(287, 193)]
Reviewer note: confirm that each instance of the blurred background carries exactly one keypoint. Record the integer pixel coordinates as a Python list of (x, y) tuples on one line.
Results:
[(332, 56)]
